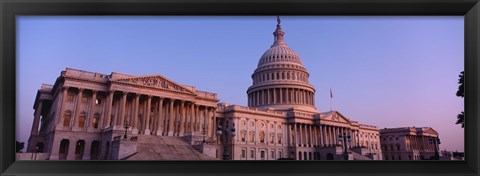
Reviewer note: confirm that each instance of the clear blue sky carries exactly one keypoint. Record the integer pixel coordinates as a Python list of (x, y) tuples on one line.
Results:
[(383, 71)]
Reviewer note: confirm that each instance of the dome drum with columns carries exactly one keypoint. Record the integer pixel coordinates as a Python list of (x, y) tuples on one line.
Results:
[(280, 80)]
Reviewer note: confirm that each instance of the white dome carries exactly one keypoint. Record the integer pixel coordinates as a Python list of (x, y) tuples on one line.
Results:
[(279, 53)]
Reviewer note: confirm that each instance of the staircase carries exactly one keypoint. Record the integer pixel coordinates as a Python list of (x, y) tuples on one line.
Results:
[(357, 156), (165, 148)]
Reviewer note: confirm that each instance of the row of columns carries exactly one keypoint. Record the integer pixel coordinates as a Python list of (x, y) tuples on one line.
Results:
[(36, 118), (420, 143), (308, 135), (158, 115), (281, 96)]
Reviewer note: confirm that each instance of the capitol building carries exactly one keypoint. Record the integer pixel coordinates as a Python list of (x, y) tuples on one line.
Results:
[(94, 116)]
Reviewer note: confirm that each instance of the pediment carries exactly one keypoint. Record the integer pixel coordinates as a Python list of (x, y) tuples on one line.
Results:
[(155, 81), (335, 116), (430, 130)]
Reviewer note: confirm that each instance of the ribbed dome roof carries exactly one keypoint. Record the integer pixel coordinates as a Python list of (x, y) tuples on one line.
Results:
[(279, 53)]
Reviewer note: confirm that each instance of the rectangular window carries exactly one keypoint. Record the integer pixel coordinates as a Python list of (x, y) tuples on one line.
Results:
[(279, 154), (262, 154), (244, 153), (70, 98), (252, 153), (273, 155), (84, 99)]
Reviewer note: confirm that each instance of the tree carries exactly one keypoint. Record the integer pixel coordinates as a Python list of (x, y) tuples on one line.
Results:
[(461, 93), (19, 146)]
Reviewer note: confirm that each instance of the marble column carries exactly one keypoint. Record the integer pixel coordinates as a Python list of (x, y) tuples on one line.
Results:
[(198, 127), (36, 121), (77, 107), (108, 114), (147, 117), (122, 110), (191, 121), (295, 134), (135, 114), (61, 113), (274, 96), (160, 118), (171, 118), (91, 110), (181, 129)]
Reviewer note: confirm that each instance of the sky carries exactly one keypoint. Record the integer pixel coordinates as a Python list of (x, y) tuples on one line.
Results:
[(388, 71)]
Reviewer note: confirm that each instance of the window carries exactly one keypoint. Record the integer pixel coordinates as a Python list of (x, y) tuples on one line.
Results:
[(262, 154), (272, 138), (273, 154), (84, 99), (243, 136), (70, 98), (95, 120), (262, 137), (279, 154), (252, 153), (98, 101), (244, 153), (279, 139), (81, 120), (66, 118)]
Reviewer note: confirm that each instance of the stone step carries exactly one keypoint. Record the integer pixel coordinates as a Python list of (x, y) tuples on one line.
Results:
[(152, 147)]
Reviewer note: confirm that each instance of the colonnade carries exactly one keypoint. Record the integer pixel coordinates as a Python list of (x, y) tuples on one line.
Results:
[(310, 135), (420, 143), (281, 96), (145, 114)]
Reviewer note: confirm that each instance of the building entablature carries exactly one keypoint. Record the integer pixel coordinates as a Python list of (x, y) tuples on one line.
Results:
[(291, 84), (281, 66), (252, 111)]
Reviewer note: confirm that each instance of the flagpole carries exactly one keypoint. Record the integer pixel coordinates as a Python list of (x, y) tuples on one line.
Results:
[(331, 97)]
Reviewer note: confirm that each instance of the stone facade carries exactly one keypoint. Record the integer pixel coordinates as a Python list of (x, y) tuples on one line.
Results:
[(83, 114), (408, 143)]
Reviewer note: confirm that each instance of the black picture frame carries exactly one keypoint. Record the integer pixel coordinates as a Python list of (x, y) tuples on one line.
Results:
[(470, 9)]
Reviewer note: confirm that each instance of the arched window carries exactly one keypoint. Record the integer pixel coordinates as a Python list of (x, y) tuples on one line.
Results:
[(262, 137), (94, 149), (66, 118), (299, 155), (79, 149), (62, 154), (95, 120), (81, 120), (252, 138)]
